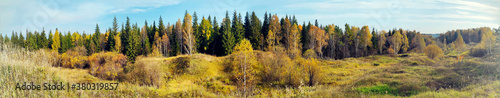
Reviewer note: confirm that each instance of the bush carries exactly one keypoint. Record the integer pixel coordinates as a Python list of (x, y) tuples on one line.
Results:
[(73, 58), (314, 73), (478, 52), (107, 65), (144, 73), (310, 54), (241, 65), (182, 64), (433, 51)]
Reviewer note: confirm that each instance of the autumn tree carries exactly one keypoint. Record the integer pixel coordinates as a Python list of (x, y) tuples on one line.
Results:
[(405, 43), (165, 43), (244, 72), (286, 32), (187, 34), (271, 39), (366, 39), (145, 45), (294, 42), (118, 43), (178, 32), (488, 40), (275, 27), (206, 35), (330, 31), (433, 51), (459, 42), (318, 39), (396, 41), (56, 41)]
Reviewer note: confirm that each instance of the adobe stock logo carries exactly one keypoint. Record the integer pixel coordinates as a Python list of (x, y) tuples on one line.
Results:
[(47, 10)]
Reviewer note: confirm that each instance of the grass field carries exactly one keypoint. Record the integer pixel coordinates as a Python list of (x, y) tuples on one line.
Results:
[(201, 75)]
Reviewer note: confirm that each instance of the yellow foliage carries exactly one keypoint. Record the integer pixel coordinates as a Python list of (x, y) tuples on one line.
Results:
[(243, 46), (433, 51)]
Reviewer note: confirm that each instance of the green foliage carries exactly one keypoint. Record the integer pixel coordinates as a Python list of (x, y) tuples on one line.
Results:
[(379, 89), (96, 38), (228, 36), (237, 27), (207, 34)]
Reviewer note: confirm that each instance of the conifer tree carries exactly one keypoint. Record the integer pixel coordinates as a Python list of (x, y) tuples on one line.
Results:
[(56, 41), (228, 40)]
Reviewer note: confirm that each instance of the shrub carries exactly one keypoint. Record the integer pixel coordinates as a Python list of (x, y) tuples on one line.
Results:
[(314, 73), (73, 58), (433, 51), (182, 64), (144, 73), (107, 65), (478, 52), (241, 65), (310, 54)]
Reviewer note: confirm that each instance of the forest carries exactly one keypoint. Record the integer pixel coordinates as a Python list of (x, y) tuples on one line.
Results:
[(244, 56)]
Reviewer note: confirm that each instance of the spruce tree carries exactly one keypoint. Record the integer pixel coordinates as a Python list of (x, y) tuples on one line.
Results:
[(228, 40)]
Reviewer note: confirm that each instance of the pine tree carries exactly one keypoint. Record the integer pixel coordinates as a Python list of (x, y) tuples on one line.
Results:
[(125, 35), (257, 37), (111, 38), (50, 40), (134, 44), (21, 40), (228, 40), (264, 30), (237, 27), (43, 39), (96, 38)]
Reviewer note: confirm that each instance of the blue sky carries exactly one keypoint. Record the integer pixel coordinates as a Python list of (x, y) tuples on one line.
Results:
[(427, 16)]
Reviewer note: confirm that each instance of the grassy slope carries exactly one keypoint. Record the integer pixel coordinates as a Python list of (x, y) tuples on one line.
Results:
[(205, 77)]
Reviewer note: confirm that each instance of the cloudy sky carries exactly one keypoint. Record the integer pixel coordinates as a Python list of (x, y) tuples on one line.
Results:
[(427, 16)]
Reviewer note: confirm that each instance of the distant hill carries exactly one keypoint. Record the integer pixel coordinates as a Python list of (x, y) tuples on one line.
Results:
[(433, 35)]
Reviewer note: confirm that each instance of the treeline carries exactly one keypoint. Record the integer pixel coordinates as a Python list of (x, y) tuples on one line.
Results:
[(484, 37), (191, 35)]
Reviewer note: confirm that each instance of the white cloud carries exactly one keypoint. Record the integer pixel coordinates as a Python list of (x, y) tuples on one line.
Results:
[(34, 15)]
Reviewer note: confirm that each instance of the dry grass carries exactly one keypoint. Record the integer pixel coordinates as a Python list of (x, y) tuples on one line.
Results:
[(201, 75)]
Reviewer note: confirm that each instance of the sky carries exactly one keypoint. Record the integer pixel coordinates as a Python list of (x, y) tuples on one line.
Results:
[(426, 16)]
